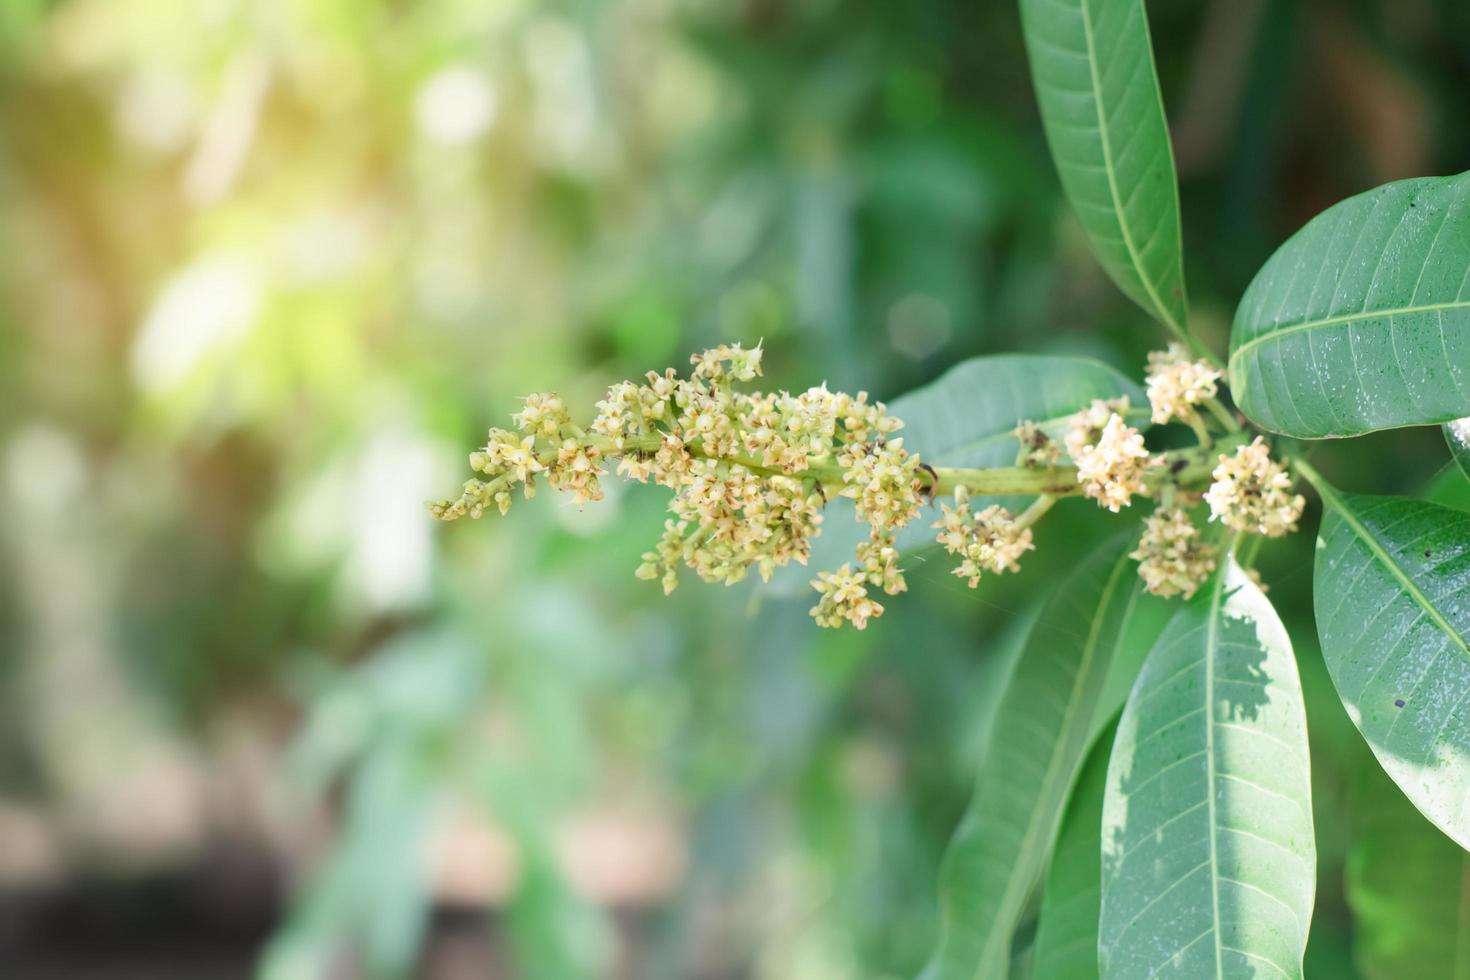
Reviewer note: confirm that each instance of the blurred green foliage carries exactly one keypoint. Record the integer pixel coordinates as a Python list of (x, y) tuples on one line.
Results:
[(273, 265)]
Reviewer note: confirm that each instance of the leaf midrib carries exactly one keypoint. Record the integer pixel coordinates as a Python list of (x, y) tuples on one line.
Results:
[(1211, 644), (1105, 140), (1276, 333), (1358, 528), (1028, 841)]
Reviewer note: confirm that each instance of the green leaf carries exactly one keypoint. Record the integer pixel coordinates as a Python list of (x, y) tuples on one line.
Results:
[(1457, 434), (966, 418), (1392, 596), (1093, 66), (1409, 889), (1066, 933), (1053, 706), (1449, 488), (1208, 860), (1361, 321)]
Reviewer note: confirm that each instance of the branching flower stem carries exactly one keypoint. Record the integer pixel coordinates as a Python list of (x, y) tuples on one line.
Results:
[(996, 481), (1222, 416)]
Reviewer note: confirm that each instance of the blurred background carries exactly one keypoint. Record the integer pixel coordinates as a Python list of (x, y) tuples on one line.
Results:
[(271, 269)]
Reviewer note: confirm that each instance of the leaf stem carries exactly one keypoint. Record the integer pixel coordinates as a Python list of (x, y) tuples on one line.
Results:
[(1201, 431), (1036, 511), (1221, 415), (1198, 346), (1318, 482)]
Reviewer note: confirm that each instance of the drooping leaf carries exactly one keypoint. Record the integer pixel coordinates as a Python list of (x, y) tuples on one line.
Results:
[(1392, 597), (1049, 715), (1208, 859), (1361, 321), (966, 417), (1066, 932), (1457, 434), (1409, 889), (1093, 66)]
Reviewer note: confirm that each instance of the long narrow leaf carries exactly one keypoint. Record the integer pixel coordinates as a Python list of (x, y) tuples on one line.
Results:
[(1047, 719), (1093, 66), (1208, 861), (1066, 931)]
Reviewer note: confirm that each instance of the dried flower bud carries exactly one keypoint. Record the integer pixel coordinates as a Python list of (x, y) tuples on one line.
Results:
[(1037, 448)]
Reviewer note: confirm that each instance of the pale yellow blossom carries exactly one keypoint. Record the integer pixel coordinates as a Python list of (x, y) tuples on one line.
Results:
[(1112, 471), (1172, 557), (844, 599), (1252, 492), (988, 542), (1178, 384)]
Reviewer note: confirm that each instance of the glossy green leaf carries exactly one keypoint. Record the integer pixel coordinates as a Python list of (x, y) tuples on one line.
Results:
[(966, 417), (1409, 889), (1093, 66), (1361, 321), (1208, 860), (1392, 596), (1049, 715), (1066, 931), (1457, 434), (1449, 488)]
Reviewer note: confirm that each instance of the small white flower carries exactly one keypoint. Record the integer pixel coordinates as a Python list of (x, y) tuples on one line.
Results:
[(844, 599), (1172, 559), (543, 415), (1085, 428), (990, 541), (1112, 471), (1177, 384), (1252, 492)]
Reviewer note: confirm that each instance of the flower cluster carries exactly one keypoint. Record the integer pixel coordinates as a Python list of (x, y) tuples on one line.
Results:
[(990, 541), (1178, 384), (1109, 453), (1252, 492), (749, 470), (844, 599), (845, 592), (1172, 558), (545, 443)]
